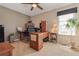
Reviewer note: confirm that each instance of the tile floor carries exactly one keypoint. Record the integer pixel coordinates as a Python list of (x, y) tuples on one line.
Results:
[(49, 49)]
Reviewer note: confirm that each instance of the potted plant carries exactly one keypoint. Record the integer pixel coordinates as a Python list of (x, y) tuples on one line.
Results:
[(71, 23), (10, 37)]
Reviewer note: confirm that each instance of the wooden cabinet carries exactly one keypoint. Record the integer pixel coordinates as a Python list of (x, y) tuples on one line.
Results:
[(43, 26), (36, 41), (53, 37)]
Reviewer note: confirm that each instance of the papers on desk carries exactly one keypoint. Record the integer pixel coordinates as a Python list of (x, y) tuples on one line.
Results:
[(19, 29)]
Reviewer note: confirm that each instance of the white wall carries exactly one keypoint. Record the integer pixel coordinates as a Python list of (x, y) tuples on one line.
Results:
[(11, 19), (51, 18)]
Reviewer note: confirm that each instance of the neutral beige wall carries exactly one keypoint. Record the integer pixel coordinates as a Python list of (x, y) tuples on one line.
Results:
[(51, 18), (11, 19)]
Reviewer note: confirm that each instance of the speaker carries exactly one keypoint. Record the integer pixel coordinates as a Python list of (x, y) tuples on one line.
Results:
[(1, 33)]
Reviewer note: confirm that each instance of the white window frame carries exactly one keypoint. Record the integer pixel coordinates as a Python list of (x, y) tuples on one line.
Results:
[(62, 21)]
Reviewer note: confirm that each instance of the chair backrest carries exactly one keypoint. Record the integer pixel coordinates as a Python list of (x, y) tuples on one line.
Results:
[(31, 30)]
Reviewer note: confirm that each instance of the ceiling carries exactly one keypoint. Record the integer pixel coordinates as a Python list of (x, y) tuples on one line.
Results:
[(25, 8)]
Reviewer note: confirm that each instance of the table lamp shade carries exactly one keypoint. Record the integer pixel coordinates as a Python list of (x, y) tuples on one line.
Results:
[(54, 28)]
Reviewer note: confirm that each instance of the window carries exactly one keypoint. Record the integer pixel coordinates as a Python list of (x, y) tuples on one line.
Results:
[(62, 21), (62, 29)]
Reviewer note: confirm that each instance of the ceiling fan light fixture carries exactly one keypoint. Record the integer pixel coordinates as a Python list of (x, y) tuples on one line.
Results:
[(34, 5)]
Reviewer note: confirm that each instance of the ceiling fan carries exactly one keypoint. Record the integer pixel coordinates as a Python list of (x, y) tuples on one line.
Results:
[(34, 5)]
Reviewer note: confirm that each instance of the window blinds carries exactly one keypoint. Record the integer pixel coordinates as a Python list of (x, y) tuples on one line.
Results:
[(67, 11)]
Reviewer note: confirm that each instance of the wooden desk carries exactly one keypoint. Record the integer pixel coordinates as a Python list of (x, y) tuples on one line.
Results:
[(36, 41), (6, 49), (21, 36)]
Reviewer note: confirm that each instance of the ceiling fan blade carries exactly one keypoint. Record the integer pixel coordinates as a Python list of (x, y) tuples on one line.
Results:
[(39, 7), (31, 8)]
